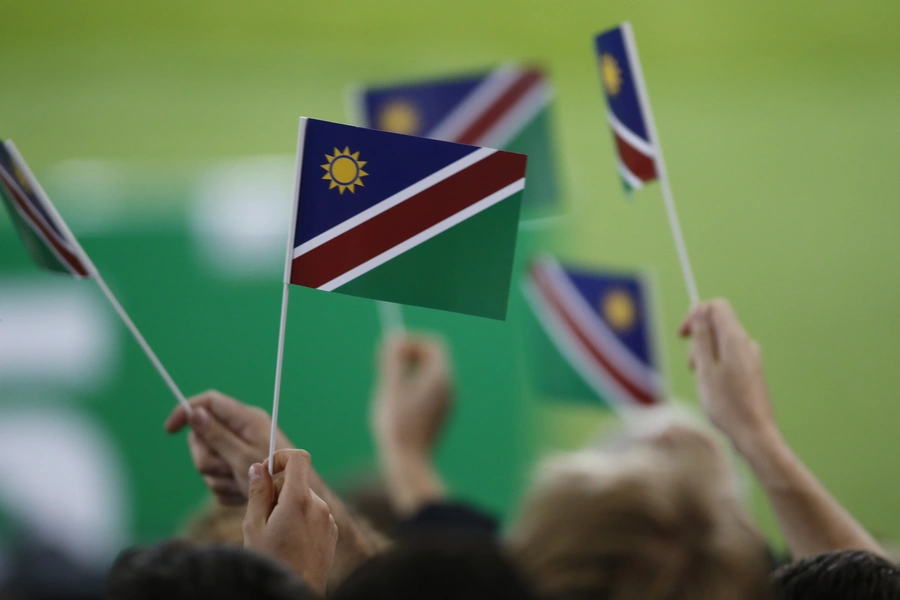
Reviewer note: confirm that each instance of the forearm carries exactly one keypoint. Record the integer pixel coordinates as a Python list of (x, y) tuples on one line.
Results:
[(357, 542), (811, 519), (412, 481)]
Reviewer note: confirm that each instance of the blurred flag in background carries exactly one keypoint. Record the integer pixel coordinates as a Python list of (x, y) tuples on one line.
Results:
[(507, 108), (592, 338), (45, 236)]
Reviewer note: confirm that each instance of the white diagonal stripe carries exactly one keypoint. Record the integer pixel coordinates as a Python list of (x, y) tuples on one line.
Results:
[(633, 180), (473, 105), (596, 329), (13, 185), (426, 235), (527, 107), (37, 231), (573, 350), (392, 201), (629, 136)]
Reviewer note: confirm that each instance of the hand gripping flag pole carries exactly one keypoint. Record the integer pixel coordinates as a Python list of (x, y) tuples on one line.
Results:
[(94, 274)]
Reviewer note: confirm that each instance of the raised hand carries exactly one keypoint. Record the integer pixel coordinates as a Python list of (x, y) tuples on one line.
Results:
[(411, 402), (733, 393), (226, 437), (288, 521), (731, 382)]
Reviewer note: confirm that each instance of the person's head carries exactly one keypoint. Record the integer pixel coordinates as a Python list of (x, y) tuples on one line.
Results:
[(215, 523), (844, 575), (180, 570), (438, 565), (367, 497), (655, 518)]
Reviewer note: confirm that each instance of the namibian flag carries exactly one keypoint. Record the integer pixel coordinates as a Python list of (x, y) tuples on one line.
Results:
[(593, 338), (45, 235), (405, 219), (505, 108), (628, 106)]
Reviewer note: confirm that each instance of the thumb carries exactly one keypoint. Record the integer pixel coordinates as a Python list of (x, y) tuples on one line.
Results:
[(260, 497)]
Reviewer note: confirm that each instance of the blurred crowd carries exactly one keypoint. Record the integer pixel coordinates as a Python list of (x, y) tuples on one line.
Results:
[(650, 512)]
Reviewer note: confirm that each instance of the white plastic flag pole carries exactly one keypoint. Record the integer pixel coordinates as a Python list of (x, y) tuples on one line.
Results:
[(391, 317), (677, 236), (669, 201), (285, 295), (95, 275)]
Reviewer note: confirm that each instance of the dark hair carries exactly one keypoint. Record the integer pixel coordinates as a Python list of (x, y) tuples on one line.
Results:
[(844, 575), (180, 570), (438, 565)]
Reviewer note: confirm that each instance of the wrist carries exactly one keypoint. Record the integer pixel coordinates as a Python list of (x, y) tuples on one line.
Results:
[(393, 448), (770, 458), (412, 480), (318, 585), (759, 442)]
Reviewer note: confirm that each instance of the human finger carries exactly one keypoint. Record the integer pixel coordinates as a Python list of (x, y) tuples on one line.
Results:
[(260, 497), (221, 439), (296, 465), (205, 459)]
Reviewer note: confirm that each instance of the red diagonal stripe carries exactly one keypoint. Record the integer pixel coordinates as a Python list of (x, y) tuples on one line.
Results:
[(496, 111), (70, 259), (643, 167), (412, 216), (549, 292)]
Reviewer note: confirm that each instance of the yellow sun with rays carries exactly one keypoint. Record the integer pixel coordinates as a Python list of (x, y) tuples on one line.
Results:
[(611, 74), (619, 309), (23, 181), (344, 170), (400, 116)]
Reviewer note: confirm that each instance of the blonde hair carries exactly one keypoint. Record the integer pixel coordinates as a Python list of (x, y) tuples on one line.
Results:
[(654, 520), (215, 523)]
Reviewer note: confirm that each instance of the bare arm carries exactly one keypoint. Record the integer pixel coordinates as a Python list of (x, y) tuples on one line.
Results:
[(409, 408), (733, 393), (357, 542), (811, 519)]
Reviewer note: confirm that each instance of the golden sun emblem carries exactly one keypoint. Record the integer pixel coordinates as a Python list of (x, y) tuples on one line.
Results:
[(611, 74), (399, 116), (23, 181), (344, 170), (619, 309)]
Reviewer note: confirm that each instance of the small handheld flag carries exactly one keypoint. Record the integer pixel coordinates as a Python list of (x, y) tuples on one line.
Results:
[(405, 219), (594, 338), (506, 108), (44, 236), (401, 219), (51, 244), (640, 158)]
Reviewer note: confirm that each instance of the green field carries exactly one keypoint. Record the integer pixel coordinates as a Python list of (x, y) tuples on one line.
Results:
[(780, 123)]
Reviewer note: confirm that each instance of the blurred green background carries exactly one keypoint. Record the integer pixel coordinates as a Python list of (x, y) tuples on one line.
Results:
[(781, 127)]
